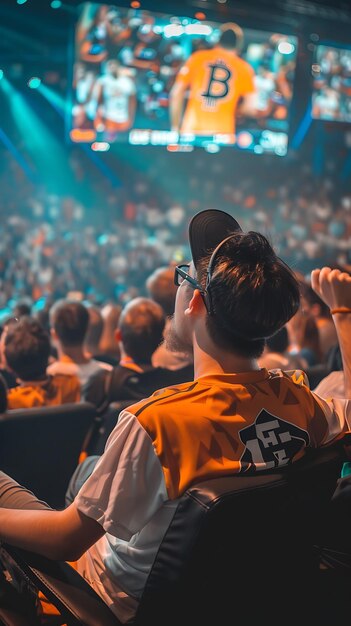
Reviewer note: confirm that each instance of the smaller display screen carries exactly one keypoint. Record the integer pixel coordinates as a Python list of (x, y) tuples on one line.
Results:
[(331, 97)]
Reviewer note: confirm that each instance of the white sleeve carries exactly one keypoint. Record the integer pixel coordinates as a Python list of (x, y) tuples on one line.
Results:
[(127, 485)]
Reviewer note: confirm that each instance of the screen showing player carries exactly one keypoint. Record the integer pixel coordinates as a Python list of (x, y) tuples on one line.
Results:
[(147, 78), (331, 96)]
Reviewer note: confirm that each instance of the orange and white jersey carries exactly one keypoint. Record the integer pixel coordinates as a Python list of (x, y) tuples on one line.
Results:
[(216, 425), (216, 80)]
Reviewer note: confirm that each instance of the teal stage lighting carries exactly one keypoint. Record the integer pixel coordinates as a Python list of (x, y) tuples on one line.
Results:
[(34, 82)]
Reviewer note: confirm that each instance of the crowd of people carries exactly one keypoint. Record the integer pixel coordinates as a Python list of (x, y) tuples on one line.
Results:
[(104, 246), (224, 344)]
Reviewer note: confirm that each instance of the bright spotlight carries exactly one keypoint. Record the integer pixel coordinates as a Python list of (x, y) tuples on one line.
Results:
[(56, 4), (1, 74), (34, 82), (21, 1), (285, 47)]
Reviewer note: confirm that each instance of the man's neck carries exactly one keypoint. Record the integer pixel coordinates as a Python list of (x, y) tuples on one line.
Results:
[(221, 363), (74, 353)]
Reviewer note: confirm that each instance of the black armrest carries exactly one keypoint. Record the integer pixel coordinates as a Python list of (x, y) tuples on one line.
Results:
[(63, 586)]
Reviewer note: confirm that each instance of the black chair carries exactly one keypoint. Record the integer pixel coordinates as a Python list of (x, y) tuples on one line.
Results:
[(40, 447), (265, 550), (104, 423)]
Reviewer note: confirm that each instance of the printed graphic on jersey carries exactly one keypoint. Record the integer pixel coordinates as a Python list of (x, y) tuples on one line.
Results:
[(270, 442)]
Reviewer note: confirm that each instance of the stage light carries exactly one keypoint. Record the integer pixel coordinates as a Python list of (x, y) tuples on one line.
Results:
[(56, 4), (200, 16), (1, 74), (34, 82), (21, 1), (135, 4), (285, 47)]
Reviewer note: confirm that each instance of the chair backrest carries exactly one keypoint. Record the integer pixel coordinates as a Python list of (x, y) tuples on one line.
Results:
[(104, 425), (247, 550), (40, 447), (239, 550)]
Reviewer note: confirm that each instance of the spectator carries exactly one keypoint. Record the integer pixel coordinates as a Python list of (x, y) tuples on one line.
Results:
[(3, 395), (276, 354), (161, 288), (8, 376), (232, 418), (27, 350), (140, 331), (94, 332), (314, 306), (69, 322), (109, 346)]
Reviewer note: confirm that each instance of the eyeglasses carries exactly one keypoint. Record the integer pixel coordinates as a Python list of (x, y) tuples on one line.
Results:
[(181, 274)]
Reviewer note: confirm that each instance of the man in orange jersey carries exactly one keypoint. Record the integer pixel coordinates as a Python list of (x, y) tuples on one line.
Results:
[(217, 82), (233, 418)]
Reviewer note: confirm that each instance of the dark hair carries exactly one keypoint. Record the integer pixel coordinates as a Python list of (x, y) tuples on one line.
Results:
[(27, 349), (313, 298), (161, 287), (254, 293), (141, 324), (228, 39), (279, 342), (21, 308), (70, 321)]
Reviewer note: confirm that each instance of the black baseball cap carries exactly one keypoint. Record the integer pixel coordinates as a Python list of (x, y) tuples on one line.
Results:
[(207, 229)]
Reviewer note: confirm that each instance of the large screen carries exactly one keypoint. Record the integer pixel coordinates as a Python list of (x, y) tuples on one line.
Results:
[(331, 97), (148, 78)]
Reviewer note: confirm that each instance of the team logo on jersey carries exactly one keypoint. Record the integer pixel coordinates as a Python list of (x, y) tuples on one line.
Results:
[(270, 442), (217, 86)]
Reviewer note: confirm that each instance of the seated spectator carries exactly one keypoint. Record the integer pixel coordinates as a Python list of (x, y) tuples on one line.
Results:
[(276, 353), (22, 309), (313, 306), (8, 376), (94, 334), (140, 330), (161, 288), (231, 419), (3, 395), (69, 320), (304, 338), (109, 346), (27, 350)]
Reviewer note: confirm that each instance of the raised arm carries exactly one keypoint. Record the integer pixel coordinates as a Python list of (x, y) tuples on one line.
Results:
[(334, 288)]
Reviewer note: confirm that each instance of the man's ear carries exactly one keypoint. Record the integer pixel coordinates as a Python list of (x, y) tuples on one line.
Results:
[(196, 305)]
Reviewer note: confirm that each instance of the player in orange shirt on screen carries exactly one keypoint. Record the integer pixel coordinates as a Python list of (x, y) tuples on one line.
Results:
[(217, 81)]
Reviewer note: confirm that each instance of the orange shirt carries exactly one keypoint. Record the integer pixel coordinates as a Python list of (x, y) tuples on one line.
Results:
[(216, 79), (223, 424), (58, 389)]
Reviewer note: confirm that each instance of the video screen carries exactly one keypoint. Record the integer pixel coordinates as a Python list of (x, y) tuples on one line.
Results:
[(147, 78), (331, 71)]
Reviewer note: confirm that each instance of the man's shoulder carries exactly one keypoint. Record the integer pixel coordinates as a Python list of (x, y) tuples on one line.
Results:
[(164, 401)]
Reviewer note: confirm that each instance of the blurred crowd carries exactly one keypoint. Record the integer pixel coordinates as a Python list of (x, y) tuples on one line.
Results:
[(102, 243)]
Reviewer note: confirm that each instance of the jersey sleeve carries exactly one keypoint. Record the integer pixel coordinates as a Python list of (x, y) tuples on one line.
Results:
[(127, 485), (247, 81)]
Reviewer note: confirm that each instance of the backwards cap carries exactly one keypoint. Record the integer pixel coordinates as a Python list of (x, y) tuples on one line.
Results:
[(207, 230)]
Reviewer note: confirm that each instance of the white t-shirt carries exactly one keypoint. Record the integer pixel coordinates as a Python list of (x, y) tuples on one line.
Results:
[(129, 471), (332, 386), (116, 95), (82, 370)]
